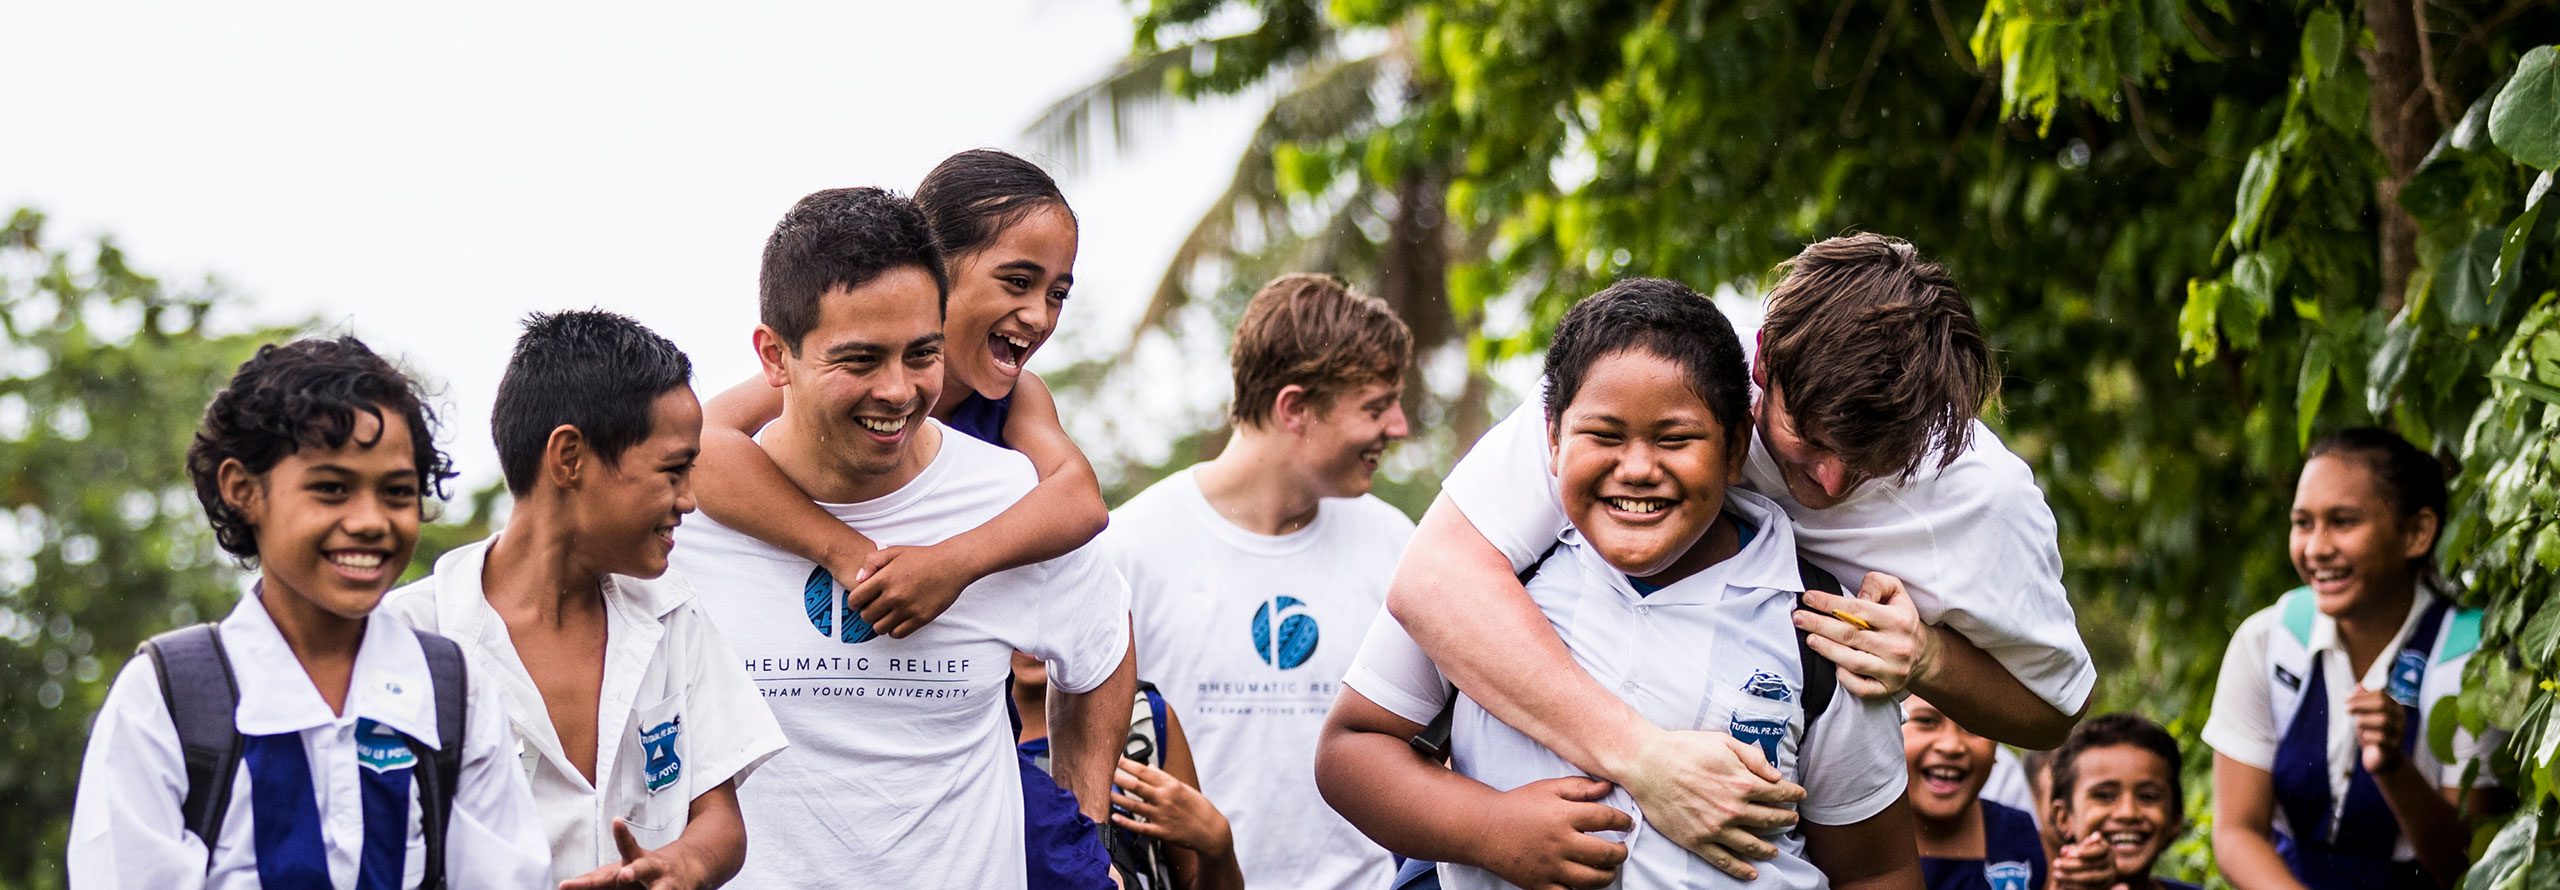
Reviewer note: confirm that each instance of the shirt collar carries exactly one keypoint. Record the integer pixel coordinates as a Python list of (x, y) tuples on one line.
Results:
[(2324, 629), (390, 683), (462, 601)]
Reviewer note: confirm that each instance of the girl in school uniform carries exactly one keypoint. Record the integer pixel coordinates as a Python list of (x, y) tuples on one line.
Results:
[(2321, 776), (313, 466)]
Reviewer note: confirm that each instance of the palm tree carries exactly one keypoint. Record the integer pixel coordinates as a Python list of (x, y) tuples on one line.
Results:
[(1329, 91)]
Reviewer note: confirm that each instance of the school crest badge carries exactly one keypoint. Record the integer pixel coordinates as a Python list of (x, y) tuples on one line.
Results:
[(659, 763), (2006, 875)]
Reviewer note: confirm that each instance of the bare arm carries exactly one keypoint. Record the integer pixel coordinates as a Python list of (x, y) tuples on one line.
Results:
[(1086, 730), (737, 483), (2244, 843), (1874, 854), (1536, 836), (1898, 650), (2438, 832), (1200, 848), (1456, 595), (708, 853), (906, 588)]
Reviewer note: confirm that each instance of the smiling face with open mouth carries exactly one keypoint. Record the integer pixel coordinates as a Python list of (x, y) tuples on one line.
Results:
[(1006, 301), (630, 505), (334, 526), (1948, 765), (1643, 465), (857, 391), (2350, 544), (2128, 794)]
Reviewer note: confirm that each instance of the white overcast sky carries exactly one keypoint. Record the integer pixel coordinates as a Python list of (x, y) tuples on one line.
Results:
[(425, 175)]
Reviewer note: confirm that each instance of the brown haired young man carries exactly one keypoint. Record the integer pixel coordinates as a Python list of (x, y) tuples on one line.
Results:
[(1870, 370), (1254, 575)]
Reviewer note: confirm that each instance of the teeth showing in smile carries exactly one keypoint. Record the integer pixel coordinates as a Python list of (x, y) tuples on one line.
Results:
[(1639, 505), (2127, 839), (883, 427), (1008, 349), (2329, 575), (1943, 773), (357, 560)]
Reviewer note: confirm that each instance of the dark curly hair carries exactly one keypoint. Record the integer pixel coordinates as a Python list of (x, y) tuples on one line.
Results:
[(2117, 729), (305, 393), (1664, 318)]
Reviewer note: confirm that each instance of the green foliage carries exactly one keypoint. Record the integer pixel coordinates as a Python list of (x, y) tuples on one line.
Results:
[(2526, 122), (102, 373)]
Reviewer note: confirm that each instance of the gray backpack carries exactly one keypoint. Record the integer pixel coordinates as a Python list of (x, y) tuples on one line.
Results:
[(196, 683)]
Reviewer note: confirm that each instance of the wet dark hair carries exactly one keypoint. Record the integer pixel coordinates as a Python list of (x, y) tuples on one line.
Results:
[(303, 394), (1667, 319), (2117, 729), (840, 238), (2411, 479), (972, 197), (594, 370), (1877, 355)]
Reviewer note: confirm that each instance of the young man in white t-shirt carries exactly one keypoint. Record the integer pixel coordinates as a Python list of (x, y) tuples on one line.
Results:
[(1868, 372), (901, 768), (1673, 591), (631, 717), (1252, 576)]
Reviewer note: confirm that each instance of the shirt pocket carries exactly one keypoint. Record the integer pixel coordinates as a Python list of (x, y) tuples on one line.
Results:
[(654, 790), (1766, 723)]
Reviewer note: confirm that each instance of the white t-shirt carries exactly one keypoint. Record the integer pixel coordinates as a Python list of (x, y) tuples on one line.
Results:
[(126, 831), (1248, 636), (1715, 651), (1974, 542), (675, 717), (901, 768), (2251, 709)]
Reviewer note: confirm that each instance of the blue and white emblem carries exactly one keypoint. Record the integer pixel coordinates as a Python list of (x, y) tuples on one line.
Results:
[(1770, 733), (381, 749), (2006, 875), (829, 612), (659, 763), (1293, 641), (2407, 672)]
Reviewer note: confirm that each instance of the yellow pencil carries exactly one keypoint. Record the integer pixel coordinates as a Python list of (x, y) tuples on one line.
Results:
[(1854, 621)]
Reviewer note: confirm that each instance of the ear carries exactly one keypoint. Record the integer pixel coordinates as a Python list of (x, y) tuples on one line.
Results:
[(1289, 409), (1733, 459), (2058, 820), (243, 491), (565, 456), (1555, 449), (1760, 360), (2421, 533), (771, 354)]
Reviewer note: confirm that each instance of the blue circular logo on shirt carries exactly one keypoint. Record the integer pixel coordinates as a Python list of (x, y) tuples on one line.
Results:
[(1297, 638), (828, 611)]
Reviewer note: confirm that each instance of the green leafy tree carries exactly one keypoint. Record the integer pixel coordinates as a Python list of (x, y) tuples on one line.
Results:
[(102, 375)]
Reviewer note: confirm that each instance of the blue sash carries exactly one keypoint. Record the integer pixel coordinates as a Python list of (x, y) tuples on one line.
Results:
[(2352, 851), (284, 812), (982, 418)]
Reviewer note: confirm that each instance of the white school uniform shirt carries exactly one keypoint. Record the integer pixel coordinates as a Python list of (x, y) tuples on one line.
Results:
[(1714, 651), (675, 717), (1974, 542), (2253, 702), (1248, 636), (901, 770), (126, 831)]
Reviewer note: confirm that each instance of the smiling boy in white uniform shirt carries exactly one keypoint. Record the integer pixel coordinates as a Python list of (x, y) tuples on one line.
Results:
[(634, 720), (1253, 575), (901, 770)]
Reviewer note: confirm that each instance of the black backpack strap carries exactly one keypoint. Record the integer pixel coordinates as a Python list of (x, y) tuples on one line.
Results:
[(1821, 678), (197, 686), (443, 773), (1433, 740)]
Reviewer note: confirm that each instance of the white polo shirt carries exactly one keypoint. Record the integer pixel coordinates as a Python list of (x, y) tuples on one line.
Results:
[(671, 689), (901, 769), (1248, 636), (126, 831), (1715, 651), (1974, 542), (2269, 660)]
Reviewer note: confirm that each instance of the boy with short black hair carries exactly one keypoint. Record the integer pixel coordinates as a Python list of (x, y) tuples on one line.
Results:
[(636, 721), (2117, 802), (1276, 542), (1967, 842), (308, 739), (1672, 589)]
